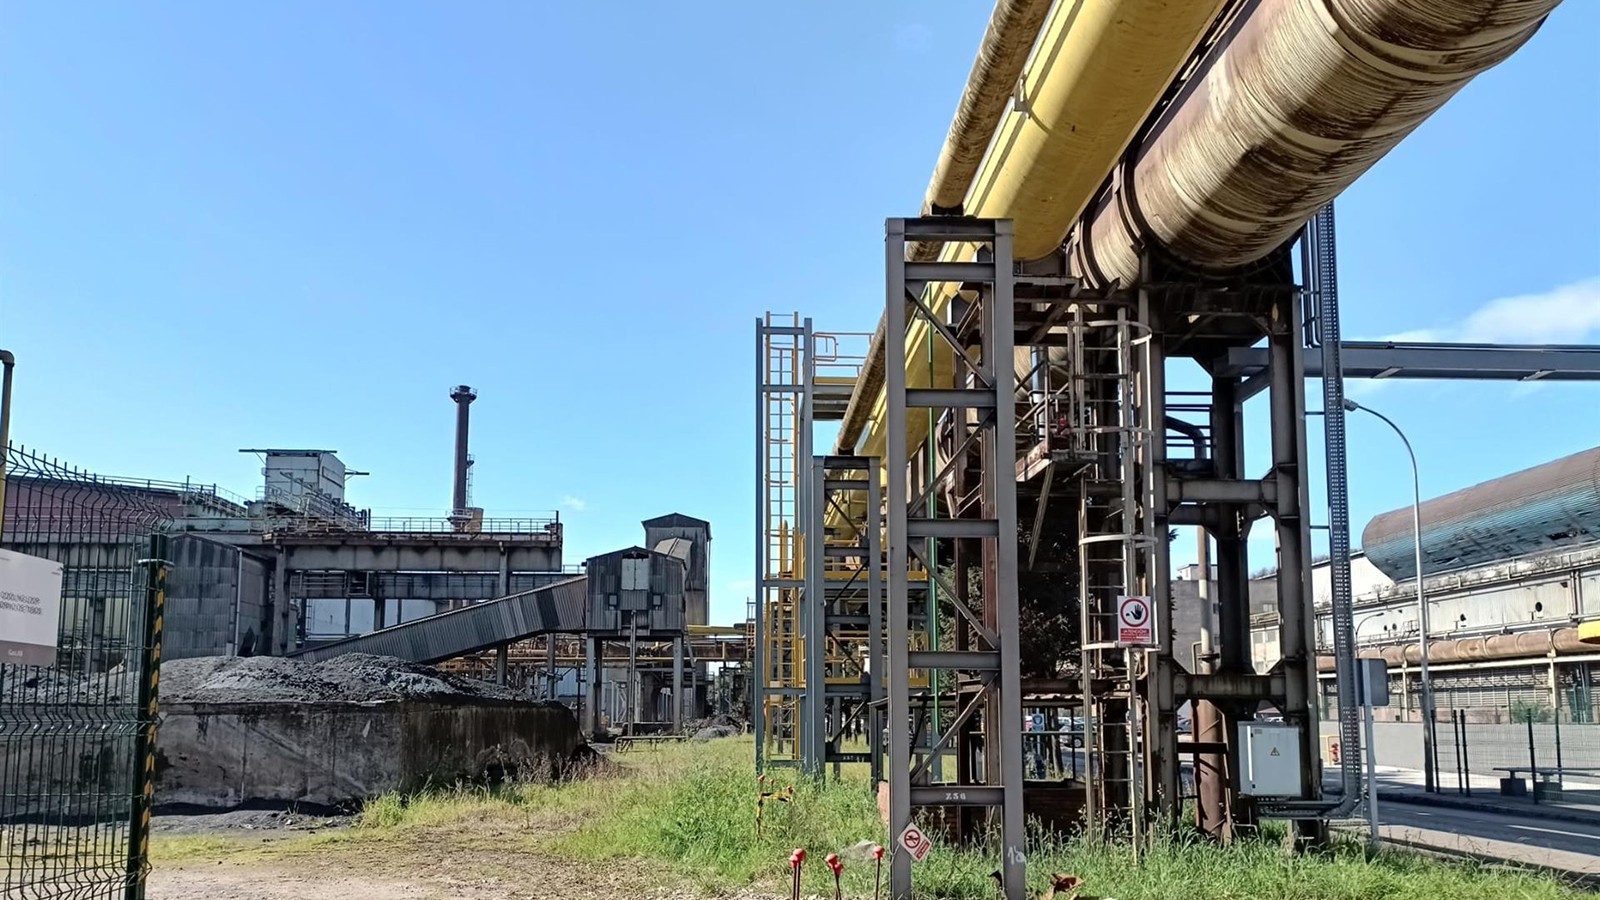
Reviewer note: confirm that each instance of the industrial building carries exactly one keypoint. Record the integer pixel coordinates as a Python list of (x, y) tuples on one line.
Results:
[(300, 571), (1512, 567)]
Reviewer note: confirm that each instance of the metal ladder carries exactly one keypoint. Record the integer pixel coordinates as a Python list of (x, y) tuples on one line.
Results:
[(1114, 542), (784, 348)]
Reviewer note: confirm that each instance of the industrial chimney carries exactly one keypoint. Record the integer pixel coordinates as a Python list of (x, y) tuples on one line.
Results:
[(463, 396)]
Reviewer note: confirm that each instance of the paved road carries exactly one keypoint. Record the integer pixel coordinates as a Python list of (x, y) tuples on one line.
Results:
[(1568, 846)]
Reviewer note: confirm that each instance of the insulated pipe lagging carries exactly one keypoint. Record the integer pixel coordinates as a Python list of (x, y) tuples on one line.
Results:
[(1303, 99), (1098, 67), (1526, 645), (1013, 26)]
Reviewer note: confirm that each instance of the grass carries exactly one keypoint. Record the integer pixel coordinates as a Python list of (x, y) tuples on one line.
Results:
[(689, 810), (693, 808)]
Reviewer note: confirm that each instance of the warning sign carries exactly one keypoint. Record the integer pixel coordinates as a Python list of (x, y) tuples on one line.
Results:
[(914, 842), (1134, 628)]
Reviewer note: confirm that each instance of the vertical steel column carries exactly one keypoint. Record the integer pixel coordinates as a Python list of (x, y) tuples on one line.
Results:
[(899, 668), (1163, 720), (758, 662), (875, 655), (812, 707), (988, 386), (155, 566), (552, 680), (1298, 660), (999, 344), (677, 683), (591, 687), (814, 597)]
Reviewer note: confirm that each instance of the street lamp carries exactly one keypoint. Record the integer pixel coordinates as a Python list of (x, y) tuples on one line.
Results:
[(1422, 601), (1356, 632)]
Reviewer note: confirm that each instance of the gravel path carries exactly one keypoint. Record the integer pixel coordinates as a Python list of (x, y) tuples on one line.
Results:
[(479, 860), (427, 869)]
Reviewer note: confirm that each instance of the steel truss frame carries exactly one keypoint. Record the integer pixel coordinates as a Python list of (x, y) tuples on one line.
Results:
[(988, 667), (843, 599)]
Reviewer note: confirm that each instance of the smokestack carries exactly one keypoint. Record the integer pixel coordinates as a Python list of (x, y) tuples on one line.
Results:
[(463, 396)]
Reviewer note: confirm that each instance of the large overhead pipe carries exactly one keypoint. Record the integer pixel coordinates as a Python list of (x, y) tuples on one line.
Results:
[(1531, 645), (1304, 97), (1013, 26), (1096, 70)]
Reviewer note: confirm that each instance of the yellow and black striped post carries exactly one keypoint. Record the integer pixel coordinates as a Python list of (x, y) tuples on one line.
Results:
[(144, 753)]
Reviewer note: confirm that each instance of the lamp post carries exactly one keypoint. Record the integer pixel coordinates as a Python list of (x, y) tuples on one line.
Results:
[(1428, 741), (1356, 632)]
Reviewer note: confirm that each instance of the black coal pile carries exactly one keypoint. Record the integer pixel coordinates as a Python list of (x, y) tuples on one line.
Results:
[(352, 678)]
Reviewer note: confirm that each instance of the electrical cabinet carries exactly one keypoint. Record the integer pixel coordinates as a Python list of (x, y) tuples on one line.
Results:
[(1269, 760)]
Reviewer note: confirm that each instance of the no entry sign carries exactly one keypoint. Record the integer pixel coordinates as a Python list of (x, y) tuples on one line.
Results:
[(914, 842), (1133, 622)]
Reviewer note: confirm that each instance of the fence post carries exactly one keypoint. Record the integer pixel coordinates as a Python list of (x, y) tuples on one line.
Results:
[(1466, 762), (1533, 765), (1556, 723), (144, 755), (1455, 738)]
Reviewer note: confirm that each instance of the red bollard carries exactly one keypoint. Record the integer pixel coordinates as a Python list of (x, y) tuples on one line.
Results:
[(795, 860), (877, 875), (838, 868)]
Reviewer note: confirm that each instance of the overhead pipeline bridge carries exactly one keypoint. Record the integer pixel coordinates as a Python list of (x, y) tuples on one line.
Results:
[(1133, 177), (1205, 131)]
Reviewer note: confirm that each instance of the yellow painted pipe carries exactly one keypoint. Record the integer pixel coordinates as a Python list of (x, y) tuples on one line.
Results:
[(1097, 71)]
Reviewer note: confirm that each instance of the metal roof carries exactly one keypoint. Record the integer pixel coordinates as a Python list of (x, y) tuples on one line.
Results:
[(678, 520), (1535, 510)]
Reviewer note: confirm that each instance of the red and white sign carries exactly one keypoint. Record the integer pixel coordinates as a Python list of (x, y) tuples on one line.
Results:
[(914, 842), (1134, 628)]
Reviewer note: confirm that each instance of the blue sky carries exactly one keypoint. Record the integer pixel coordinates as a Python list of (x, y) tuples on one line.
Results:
[(296, 224)]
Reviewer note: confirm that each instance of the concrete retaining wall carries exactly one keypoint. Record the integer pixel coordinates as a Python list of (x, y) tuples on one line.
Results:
[(329, 754)]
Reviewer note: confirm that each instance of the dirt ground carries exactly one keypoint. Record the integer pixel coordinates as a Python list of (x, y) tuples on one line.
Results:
[(271, 856)]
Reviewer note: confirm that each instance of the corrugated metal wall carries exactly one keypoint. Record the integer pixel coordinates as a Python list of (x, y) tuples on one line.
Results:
[(216, 597)]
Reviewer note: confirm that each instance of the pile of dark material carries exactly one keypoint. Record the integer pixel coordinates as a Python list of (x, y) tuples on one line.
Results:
[(718, 726), (353, 678)]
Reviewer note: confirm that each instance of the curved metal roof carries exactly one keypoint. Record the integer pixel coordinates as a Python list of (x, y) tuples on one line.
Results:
[(1543, 508)]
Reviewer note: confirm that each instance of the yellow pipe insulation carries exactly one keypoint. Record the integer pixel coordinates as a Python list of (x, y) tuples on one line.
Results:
[(1098, 69)]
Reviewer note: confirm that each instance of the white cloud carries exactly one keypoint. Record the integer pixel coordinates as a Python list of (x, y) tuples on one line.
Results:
[(576, 504), (1569, 314)]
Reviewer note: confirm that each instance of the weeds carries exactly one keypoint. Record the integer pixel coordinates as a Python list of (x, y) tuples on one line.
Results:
[(690, 810)]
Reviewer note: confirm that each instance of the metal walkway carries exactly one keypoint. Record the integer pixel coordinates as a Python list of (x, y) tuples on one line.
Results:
[(557, 607)]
